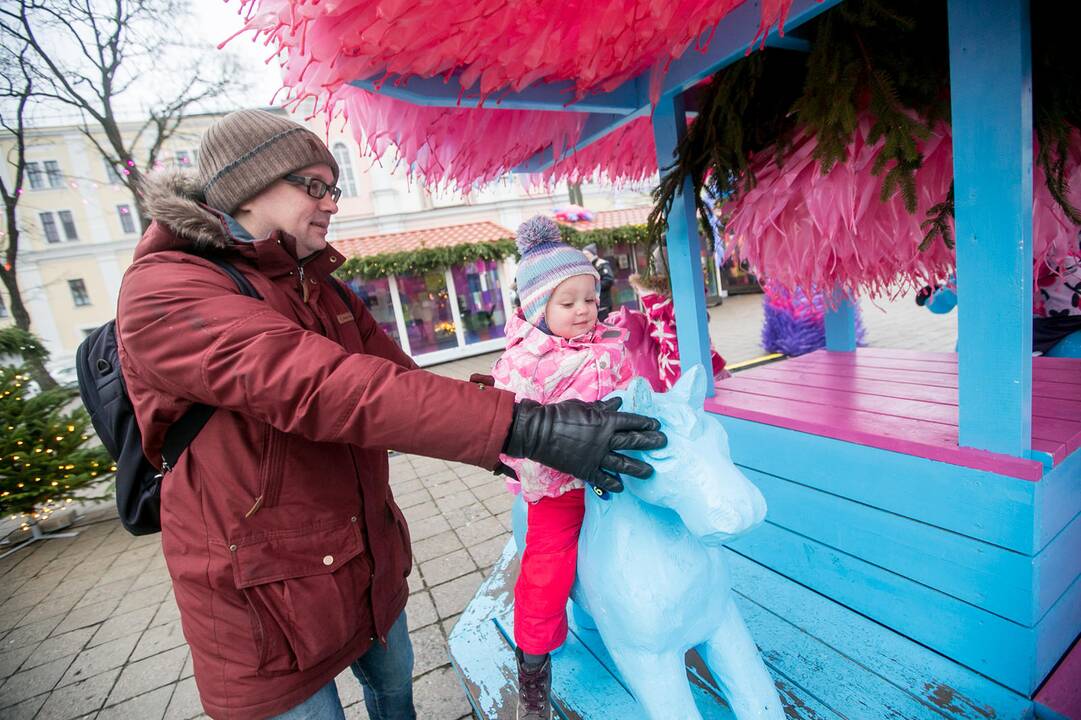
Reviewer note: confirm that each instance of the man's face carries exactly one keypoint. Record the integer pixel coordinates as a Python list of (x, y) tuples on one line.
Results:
[(288, 207)]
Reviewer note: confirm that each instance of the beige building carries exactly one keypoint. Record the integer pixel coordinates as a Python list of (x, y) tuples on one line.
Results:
[(78, 225)]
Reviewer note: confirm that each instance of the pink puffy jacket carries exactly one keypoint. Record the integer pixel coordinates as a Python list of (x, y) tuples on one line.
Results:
[(548, 368)]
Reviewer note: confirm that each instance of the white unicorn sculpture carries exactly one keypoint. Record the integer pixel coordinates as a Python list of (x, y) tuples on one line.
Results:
[(652, 574)]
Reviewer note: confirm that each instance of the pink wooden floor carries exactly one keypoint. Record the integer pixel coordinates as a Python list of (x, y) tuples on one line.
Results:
[(1062, 691), (900, 400)]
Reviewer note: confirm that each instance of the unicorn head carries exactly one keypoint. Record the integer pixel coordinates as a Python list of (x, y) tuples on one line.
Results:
[(694, 474)]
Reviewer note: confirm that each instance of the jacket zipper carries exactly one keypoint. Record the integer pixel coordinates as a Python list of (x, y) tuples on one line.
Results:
[(303, 284)]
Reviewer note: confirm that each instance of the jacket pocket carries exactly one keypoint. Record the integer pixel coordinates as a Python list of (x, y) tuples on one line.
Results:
[(271, 469), (306, 592), (398, 519)]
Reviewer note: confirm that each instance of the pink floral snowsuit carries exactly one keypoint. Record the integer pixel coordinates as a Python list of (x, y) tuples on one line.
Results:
[(548, 368), (662, 330)]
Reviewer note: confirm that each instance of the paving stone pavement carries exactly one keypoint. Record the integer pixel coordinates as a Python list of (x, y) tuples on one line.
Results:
[(89, 628)]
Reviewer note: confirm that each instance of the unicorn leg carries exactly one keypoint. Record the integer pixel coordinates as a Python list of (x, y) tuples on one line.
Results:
[(659, 683), (735, 662)]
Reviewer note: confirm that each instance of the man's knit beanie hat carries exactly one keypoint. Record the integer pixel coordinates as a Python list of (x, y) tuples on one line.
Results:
[(546, 261), (247, 150)]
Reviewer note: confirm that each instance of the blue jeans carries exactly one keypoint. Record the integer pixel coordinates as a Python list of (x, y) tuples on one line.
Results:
[(385, 673)]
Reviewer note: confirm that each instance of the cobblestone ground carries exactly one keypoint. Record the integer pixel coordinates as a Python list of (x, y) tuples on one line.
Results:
[(89, 628)]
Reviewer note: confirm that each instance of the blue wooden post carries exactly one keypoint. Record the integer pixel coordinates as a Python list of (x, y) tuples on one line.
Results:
[(841, 325), (991, 95), (684, 246)]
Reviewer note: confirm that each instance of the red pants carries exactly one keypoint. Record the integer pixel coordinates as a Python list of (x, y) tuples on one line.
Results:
[(547, 574)]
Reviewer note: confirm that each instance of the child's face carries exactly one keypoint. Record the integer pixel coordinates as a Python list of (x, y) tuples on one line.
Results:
[(572, 308)]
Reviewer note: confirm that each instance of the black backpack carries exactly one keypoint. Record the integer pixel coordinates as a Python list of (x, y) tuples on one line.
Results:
[(101, 385)]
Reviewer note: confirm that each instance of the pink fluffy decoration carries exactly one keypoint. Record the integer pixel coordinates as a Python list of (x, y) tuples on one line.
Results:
[(627, 155), (494, 47), (455, 146), (463, 147), (804, 230), (493, 44)]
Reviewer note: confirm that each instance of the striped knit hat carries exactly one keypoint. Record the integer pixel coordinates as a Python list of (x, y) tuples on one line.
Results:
[(546, 262), (247, 150)]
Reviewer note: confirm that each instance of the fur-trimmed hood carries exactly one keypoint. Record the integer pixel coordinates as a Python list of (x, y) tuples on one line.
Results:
[(174, 198)]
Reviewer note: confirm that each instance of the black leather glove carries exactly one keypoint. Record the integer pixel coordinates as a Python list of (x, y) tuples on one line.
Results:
[(579, 438)]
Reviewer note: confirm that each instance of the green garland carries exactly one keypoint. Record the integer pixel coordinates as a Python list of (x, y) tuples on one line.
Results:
[(438, 258), (424, 260), (888, 58), (605, 238)]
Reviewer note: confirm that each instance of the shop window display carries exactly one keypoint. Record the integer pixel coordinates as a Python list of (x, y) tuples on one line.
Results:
[(376, 296), (480, 300), (429, 321)]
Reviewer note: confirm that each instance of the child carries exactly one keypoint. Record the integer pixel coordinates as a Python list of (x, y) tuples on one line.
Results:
[(656, 297), (556, 350)]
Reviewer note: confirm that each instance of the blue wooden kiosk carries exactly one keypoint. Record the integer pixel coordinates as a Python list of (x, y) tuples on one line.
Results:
[(922, 552)]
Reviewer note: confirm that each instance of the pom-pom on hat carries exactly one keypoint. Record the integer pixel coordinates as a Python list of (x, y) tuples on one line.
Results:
[(546, 261)]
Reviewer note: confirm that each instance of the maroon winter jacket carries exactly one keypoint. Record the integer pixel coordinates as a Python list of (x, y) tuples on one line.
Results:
[(287, 551)]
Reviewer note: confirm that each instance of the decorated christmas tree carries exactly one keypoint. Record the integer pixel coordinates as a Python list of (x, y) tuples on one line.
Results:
[(47, 452)]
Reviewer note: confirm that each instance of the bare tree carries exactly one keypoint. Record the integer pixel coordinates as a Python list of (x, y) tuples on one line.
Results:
[(16, 94), (91, 53)]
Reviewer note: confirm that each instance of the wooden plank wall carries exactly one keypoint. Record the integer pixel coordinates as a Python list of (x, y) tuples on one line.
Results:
[(985, 569)]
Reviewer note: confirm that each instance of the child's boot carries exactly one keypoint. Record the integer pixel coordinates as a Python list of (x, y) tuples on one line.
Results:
[(534, 688)]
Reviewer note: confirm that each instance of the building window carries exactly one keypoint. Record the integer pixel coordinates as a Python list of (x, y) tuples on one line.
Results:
[(3, 308), (33, 174), (345, 168), (48, 224), (111, 175), (78, 292), (183, 158), (68, 221), (127, 222), (52, 170)]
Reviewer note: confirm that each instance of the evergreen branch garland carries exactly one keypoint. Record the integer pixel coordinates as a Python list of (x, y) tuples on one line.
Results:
[(743, 111), (888, 58), (937, 223), (423, 260), (439, 258)]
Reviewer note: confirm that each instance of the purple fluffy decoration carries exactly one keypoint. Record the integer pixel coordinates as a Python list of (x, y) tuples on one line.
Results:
[(795, 325)]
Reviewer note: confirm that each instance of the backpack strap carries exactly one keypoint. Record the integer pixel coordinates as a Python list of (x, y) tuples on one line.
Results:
[(343, 293), (241, 282), (181, 433)]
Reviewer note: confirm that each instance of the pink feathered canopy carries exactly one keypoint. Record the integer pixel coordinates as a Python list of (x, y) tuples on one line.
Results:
[(499, 45), (797, 226)]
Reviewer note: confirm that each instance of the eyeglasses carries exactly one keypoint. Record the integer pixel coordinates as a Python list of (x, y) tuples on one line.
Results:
[(316, 188)]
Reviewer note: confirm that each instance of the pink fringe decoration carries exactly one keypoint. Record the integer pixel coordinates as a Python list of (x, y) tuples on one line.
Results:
[(499, 46), (627, 155), (465, 147), (803, 229), (455, 146)]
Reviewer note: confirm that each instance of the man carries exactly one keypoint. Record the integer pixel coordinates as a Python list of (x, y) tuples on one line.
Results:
[(608, 279), (287, 552)]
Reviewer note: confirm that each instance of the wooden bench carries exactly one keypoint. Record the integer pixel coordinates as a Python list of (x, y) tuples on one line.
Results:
[(828, 662)]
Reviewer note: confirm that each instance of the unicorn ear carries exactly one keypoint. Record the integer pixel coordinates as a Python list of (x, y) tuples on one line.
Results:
[(691, 387), (640, 395)]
